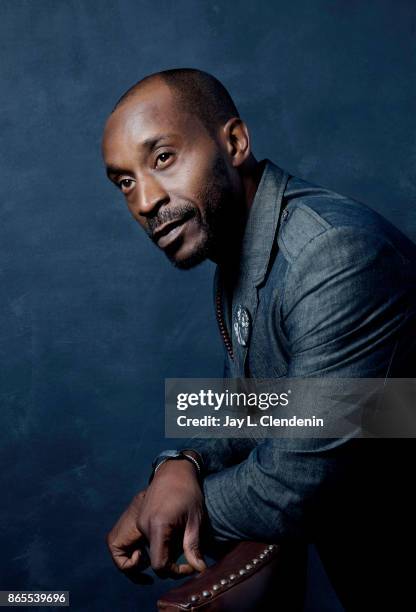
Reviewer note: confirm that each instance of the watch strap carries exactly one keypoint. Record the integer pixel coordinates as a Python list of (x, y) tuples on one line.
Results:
[(187, 454)]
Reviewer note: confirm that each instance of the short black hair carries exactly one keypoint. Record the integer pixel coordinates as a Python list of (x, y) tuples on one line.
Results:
[(198, 93)]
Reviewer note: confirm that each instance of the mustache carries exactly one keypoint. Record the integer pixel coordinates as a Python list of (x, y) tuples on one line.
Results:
[(169, 215)]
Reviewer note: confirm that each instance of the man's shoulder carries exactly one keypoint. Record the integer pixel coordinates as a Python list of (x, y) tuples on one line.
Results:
[(311, 211)]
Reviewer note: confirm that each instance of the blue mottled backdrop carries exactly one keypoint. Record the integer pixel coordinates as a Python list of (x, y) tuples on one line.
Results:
[(93, 318)]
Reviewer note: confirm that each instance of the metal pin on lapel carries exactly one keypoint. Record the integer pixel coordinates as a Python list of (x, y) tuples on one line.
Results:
[(242, 325)]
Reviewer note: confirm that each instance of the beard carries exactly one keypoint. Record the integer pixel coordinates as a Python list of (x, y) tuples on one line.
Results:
[(215, 217)]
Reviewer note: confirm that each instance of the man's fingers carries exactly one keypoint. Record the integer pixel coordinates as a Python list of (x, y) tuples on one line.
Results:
[(126, 545), (160, 553), (129, 562), (163, 552), (139, 561), (191, 548), (132, 565), (183, 569), (126, 560)]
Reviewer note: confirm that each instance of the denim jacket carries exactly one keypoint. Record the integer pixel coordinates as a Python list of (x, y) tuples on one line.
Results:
[(330, 288)]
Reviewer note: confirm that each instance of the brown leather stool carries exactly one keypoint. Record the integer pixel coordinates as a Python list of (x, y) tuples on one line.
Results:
[(253, 576)]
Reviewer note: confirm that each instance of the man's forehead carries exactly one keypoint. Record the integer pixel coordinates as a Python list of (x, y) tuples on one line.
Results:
[(142, 115)]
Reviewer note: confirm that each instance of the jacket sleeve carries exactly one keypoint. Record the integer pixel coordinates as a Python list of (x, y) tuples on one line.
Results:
[(348, 310)]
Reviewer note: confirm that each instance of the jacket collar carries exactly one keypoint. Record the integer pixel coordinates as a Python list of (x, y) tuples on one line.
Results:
[(260, 230)]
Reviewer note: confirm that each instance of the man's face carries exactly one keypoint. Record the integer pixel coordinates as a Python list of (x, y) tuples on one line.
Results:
[(172, 173)]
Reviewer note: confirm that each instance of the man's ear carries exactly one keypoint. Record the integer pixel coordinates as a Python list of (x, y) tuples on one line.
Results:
[(236, 139)]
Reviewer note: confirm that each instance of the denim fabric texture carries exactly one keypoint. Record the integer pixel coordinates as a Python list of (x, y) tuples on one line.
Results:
[(330, 286)]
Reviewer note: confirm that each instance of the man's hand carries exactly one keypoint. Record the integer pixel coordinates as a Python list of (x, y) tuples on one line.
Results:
[(127, 543), (167, 518)]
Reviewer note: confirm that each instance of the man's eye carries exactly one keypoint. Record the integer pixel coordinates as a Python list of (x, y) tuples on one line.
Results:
[(125, 184), (163, 158)]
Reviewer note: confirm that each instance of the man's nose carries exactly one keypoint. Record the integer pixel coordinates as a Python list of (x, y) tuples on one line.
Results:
[(150, 197)]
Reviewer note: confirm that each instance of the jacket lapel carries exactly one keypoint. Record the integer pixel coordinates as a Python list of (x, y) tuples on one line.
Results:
[(258, 240)]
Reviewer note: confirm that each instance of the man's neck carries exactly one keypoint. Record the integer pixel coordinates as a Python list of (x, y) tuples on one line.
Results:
[(229, 254), (251, 176)]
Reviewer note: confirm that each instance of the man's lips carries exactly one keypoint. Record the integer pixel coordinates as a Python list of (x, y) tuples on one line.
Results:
[(169, 231)]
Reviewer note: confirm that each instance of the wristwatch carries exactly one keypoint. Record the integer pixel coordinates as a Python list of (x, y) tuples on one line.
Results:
[(166, 455)]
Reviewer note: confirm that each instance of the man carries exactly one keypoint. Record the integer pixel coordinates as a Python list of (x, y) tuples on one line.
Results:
[(325, 287)]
